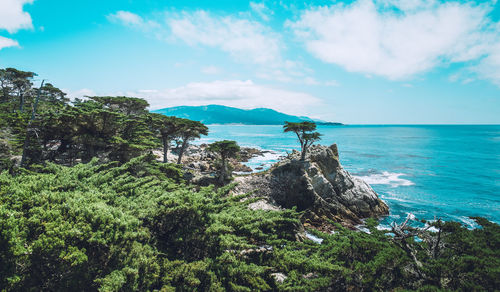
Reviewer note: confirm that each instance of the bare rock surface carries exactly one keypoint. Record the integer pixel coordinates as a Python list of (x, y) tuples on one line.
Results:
[(197, 158), (319, 186)]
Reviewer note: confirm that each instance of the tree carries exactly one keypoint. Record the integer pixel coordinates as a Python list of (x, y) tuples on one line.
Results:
[(305, 133), (113, 127), (28, 129), (13, 80), (133, 138), (54, 96), (166, 128), (226, 149), (188, 131), (96, 128), (123, 104)]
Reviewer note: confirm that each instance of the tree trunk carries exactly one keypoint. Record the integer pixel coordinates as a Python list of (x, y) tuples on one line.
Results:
[(89, 152), (303, 154), (223, 174), (181, 152), (28, 129), (166, 146), (5, 94), (21, 102), (438, 241)]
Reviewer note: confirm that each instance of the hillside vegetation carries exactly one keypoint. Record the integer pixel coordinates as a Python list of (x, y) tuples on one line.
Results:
[(90, 208), (219, 114)]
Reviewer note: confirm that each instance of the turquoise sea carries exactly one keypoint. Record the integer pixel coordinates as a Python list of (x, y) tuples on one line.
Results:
[(430, 171)]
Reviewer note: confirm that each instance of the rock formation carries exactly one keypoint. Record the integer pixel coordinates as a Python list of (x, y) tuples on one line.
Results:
[(198, 158), (319, 186), (200, 165)]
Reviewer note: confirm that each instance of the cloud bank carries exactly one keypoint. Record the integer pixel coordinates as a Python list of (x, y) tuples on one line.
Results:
[(236, 93), (12, 16), (241, 38), (13, 19), (399, 39)]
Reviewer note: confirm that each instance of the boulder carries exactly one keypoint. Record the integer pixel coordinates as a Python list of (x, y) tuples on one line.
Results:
[(319, 186)]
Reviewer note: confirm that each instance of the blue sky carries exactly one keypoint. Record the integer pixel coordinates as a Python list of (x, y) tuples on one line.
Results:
[(359, 62)]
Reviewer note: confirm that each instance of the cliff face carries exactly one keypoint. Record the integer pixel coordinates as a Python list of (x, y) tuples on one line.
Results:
[(319, 186)]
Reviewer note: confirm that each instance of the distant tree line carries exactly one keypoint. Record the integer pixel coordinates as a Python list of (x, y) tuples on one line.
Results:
[(42, 124)]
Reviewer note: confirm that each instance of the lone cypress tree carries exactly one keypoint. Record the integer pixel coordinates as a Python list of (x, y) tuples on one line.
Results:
[(226, 149), (305, 133)]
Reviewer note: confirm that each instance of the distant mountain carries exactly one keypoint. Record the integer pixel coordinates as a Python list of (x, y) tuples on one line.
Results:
[(219, 114)]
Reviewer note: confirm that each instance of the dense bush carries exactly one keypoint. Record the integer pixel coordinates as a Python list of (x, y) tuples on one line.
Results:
[(138, 226)]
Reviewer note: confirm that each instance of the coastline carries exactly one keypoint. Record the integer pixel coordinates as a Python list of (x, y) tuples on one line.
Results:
[(409, 176)]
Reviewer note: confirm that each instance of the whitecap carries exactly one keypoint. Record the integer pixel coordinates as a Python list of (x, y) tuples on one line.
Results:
[(387, 178), (264, 161), (383, 227)]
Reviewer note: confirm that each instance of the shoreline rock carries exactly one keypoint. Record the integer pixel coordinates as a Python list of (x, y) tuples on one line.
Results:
[(201, 163), (318, 186)]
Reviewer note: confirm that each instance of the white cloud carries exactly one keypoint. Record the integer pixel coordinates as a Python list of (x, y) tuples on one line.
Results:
[(363, 37), (312, 81), (243, 39), (261, 10), (12, 19), (489, 67), (6, 42), (126, 17), (80, 93), (236, 93), (12, 16)]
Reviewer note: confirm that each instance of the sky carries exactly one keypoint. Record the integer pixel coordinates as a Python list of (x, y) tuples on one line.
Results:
[(356, 62)]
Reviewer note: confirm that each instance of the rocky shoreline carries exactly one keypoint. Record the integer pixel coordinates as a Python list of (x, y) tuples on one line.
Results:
[(319, 186), (197, 158)]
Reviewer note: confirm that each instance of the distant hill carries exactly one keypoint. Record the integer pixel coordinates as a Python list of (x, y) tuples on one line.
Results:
[(219, 114)]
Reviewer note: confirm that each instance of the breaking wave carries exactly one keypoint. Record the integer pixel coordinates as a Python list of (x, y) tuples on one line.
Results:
[(387, 178)]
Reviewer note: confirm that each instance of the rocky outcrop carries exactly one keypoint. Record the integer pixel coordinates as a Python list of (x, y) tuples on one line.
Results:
[(319, 186), (197, 158)]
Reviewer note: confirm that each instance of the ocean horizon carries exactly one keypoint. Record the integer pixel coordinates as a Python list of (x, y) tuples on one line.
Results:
[(450, 172)]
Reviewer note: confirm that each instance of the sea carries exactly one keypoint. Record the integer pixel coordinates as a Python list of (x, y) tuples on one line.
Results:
[(448, 172)]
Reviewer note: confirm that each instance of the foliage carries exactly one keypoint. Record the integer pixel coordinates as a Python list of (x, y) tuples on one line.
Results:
[(166, 129), (138, 226), (189, 130), (114, 128), (226, 149), (305, 133)]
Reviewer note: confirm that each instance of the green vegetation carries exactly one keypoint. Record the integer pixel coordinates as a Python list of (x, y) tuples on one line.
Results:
[(226, 149), (124, 222), (107, 127), (137, 226), (305, 133), (219, 114), (189, 130), (165, 128)]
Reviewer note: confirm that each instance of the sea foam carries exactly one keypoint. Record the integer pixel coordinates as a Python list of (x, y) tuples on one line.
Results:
[(387, 178)]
